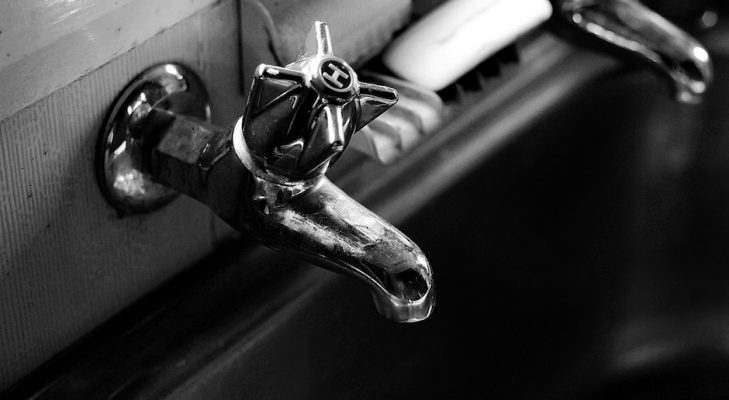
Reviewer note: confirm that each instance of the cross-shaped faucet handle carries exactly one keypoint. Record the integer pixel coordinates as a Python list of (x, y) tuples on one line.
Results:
[(300, 118)]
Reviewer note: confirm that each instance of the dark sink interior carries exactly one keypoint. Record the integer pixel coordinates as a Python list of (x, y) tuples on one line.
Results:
[(585, 259)]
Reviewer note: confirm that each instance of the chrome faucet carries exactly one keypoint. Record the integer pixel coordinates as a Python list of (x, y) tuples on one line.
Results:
[(264, 175), (636, 31)]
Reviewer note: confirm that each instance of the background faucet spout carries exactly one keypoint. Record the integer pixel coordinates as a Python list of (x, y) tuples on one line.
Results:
[(633, 30)]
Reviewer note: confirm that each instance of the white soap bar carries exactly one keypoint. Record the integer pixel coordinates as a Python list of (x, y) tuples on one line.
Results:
[(458, 35)]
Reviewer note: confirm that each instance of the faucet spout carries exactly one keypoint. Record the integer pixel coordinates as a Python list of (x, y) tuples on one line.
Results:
[(326, 227), (637, 32)]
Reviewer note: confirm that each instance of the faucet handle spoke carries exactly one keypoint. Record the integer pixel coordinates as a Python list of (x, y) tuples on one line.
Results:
[(318, 42), (272, 85), (375, 100)]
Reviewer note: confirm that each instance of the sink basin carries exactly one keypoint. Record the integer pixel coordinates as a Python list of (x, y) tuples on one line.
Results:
[(582, 254)]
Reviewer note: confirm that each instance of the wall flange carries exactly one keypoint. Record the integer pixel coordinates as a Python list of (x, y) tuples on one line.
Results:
[(120, 158)]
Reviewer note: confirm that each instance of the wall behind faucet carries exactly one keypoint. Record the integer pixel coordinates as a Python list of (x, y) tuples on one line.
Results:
[(47, 44), (67, 260)]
